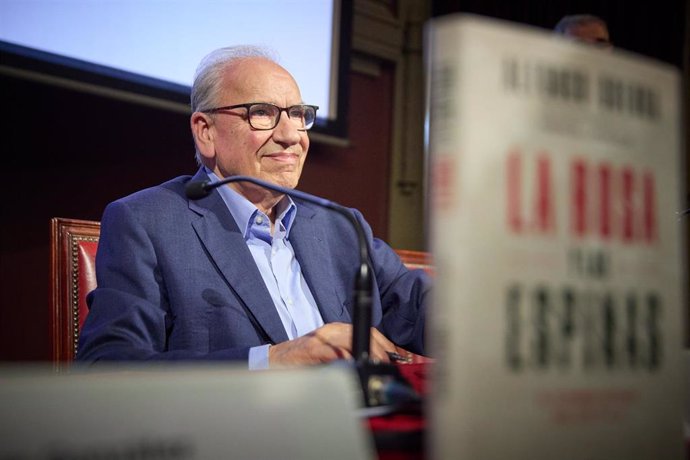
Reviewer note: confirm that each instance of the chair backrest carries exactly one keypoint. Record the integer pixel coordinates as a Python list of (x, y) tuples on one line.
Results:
[(416, 260), (73, 245)]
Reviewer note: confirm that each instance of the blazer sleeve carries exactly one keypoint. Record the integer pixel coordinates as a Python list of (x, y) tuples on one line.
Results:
[(129, 313), (404, 295)]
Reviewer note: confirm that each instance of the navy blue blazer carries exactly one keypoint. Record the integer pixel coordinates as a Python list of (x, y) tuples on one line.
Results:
[(177, 281)]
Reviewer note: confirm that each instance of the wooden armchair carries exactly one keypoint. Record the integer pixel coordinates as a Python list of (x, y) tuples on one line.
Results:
[(416, 260), (73, 245)]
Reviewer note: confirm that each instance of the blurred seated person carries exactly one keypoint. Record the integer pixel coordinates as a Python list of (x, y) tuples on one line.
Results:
[(244, 274), (585, 28)]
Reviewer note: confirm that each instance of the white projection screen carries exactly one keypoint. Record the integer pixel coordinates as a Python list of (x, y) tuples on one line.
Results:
[(152, 47)]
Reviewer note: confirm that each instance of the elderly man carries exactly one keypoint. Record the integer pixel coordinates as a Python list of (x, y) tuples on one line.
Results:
[(245, 273)]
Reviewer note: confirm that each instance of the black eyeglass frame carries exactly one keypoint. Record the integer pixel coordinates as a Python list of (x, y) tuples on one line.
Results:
[(249, 105)]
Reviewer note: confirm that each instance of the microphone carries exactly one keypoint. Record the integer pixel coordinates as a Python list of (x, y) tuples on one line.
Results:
[(361, 321)]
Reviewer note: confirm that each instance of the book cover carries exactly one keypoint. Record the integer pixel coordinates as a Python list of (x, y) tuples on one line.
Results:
[(555, 186)]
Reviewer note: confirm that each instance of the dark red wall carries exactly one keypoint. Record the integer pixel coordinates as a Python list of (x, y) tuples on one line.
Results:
[(67, 154), (358, 175)]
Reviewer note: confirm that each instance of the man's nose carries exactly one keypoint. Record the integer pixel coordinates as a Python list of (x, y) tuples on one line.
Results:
[(286, 130)]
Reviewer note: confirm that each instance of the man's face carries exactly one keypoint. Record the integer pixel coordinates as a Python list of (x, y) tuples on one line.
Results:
[(276, 155), (593, 33)]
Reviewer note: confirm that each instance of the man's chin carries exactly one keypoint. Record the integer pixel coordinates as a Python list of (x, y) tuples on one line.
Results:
[(285, 179)]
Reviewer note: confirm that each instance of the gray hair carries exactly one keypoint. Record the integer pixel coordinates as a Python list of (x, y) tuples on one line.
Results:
[(209, 74), (569, 21)]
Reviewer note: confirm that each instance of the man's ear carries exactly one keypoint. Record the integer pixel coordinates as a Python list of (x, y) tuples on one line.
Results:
[(202, 130)]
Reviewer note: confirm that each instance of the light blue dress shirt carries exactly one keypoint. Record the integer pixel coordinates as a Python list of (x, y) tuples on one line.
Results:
[(279, 268)]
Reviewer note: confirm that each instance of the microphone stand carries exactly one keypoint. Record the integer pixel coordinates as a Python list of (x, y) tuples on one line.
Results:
[(373, 376)]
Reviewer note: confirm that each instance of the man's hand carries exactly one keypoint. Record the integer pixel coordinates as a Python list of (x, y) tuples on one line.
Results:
[(327, 343)]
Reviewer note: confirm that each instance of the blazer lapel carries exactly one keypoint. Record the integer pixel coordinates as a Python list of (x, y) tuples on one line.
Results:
[(311, 250), (225, 245)]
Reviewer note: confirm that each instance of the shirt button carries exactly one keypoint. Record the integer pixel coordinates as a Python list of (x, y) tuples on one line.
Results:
[(289, 301), (259, 220)]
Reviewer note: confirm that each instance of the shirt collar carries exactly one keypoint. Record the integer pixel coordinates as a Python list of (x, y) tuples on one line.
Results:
[(244, 211)]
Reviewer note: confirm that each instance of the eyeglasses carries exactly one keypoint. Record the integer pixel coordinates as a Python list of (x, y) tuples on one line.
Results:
[(263, 116)]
